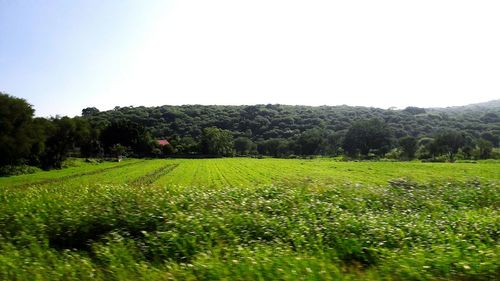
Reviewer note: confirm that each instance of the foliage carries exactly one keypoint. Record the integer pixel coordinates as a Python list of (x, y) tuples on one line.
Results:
[(367, 136), (16, 135), (61, 136), (272, 130), (275, 147), (311, 142), (260, 123), (186, 145), (89, 111), (244, 146), (119, 150), (485, 149), (414, 110), (448, 143), (408, 146), (100, 226), (494, 139), (128, 134), (14, 170), (218, 142), (168, 149)]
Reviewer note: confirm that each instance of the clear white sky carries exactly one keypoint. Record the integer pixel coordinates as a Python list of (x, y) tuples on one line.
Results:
[(63, 56)]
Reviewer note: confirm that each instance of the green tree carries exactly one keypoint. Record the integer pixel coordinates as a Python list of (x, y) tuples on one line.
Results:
[(40, 127), (244, 146), (168, 149), (129, 134), (333, 143), (217, 141), (311, 142), (87, 138), (16, 129), (490, 117), (186, 145), (89, 111), (485, 148), (448, 143), (367, 136), (414, 110), (264, 122), (489, 136), (408, 146), (273, 147), (61, 136), (118, 150), (90, 145)]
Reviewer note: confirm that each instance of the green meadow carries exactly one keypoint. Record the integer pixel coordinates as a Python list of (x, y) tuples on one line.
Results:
[(252, 219)]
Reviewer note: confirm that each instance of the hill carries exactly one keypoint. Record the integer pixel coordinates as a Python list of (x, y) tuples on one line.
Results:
[(493, 105), (263, 122)]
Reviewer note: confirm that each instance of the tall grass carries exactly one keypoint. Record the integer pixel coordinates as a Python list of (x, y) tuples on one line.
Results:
[(298, 230)]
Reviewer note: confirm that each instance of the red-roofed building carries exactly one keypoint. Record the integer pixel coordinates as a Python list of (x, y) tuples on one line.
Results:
[(163, 142)]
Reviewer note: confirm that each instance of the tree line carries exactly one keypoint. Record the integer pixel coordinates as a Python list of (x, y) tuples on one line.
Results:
[(46, 142), (272, 130), (289, 131)]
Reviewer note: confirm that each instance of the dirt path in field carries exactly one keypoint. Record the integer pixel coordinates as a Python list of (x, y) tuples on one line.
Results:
[(153, 176)]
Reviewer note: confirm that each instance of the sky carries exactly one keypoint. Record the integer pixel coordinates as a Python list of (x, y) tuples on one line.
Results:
[(63, 56)]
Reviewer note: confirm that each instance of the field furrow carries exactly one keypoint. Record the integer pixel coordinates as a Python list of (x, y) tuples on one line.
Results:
[(151, 177), (61, 177)]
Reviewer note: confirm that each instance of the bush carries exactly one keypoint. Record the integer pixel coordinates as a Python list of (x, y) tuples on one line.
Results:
[(11, 170), (393, 154)]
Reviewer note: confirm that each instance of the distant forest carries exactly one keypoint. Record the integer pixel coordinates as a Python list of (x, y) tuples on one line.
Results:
[(430, 134), (284, 130)]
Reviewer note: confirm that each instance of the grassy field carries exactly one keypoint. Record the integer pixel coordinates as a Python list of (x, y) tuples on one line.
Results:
[(252, 219)]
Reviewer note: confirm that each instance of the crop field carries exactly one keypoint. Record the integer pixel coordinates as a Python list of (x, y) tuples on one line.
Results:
[(252, 219)]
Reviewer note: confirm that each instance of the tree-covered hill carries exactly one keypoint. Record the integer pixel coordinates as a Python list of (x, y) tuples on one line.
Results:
[(436, 134), (493, 106), (261, 122)]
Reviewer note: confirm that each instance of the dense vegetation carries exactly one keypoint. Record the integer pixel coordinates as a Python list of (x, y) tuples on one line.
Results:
[(261, 122), (281, 130), (248, 218), (471, 132), (252, 219), (46, 143)]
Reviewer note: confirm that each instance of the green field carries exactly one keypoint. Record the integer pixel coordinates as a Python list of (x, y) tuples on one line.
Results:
[(252, 219)]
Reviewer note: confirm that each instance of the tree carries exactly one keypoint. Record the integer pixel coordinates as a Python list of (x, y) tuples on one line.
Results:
[(168, 149), (89, 111), (61, 136), (489, 136), (408, 146), (90, 145), (273, 147), (485, 149), (425, 148), (118, 150), (87, 138), (264, 122), (367, 136), (217, 142), (490, 117), (16, 129), (311, 141), (333, 143), (449, 143), (129, 134), (414, 110), (244, 146), (39, 129), (186, 145)]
